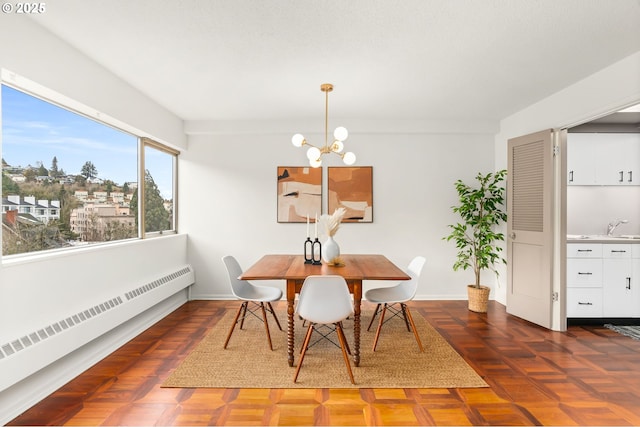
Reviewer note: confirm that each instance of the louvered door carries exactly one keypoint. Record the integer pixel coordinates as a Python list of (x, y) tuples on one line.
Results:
[(529, 228)]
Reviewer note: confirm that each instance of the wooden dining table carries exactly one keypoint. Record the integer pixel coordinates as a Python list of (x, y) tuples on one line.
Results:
[(293, 269)]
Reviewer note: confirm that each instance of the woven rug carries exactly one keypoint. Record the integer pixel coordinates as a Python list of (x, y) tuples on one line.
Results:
[(629, 331), (397, 363)]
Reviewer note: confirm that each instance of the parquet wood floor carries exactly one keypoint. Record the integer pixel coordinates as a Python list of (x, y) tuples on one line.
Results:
[(586, 376)]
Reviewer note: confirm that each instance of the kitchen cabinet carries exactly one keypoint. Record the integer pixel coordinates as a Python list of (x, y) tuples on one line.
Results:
[(603, 280), (603, 159), (584, 280), (619, 290), (581, 158)]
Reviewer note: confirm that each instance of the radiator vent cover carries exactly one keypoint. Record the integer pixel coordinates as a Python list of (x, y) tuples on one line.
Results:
[(14, 347)]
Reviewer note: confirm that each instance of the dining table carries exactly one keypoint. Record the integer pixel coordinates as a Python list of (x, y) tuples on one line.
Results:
[(353, 267)]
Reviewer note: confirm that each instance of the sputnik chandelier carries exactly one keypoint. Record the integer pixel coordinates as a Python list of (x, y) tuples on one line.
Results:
[(340, 134)]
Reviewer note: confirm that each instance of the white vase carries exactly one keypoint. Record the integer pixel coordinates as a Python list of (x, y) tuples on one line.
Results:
[(330, 250)]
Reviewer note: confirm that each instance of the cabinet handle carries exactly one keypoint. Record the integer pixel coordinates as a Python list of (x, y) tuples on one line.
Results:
[(570, 176), (587, 273), (584, 303), (630, 176), (617, 251), (585, 250), (628, 282), (621, 176)]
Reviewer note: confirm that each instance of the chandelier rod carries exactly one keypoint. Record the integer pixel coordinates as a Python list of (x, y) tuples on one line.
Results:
[(326, 88)]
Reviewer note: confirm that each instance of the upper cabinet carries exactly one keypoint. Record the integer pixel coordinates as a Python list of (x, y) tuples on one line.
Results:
[(603, 159)]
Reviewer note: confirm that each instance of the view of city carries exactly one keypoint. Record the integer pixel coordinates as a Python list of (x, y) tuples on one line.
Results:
[(45, 208)]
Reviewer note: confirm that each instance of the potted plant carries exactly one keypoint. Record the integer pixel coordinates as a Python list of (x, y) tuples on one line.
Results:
[(481, 210)]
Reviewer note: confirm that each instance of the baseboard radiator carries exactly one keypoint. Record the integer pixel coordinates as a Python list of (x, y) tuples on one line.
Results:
[(33, 351)]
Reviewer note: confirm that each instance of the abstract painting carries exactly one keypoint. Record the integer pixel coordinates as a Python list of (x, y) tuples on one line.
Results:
[(299, 193), (352, 189)]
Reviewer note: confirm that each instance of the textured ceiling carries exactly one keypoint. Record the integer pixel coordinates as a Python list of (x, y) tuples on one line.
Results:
[(409, 59)]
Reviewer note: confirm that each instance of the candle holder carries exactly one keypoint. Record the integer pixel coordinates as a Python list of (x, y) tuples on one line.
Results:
[(316, 252), (308, 251)]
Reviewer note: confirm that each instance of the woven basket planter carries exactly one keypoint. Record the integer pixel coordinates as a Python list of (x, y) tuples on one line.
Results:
[(478, 298)]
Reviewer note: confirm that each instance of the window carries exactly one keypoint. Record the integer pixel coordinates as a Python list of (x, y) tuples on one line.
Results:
[(159, 166), (69, 180)]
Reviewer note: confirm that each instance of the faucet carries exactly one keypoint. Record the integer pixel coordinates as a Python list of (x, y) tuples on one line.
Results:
[(613, 224)]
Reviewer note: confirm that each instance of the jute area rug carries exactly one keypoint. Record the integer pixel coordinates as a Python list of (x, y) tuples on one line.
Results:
[(397, 363)]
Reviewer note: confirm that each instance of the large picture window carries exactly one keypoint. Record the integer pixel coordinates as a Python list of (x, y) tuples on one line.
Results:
[(71, 181)]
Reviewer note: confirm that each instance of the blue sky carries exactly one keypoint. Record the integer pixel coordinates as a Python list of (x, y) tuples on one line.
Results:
[(35, 131)]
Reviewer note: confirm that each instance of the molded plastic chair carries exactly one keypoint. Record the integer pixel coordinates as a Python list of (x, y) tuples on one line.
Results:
[(325, 300), (249, 293), (399, 294)]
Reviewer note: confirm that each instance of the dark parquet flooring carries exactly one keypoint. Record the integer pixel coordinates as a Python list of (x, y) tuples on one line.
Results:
[(588, 375)]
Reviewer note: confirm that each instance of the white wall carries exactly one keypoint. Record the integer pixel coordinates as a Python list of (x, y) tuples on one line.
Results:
[(228, 198), (606, 91)]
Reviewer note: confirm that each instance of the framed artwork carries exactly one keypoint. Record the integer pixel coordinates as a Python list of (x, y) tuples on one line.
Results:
[(299, 193), (352, 189)]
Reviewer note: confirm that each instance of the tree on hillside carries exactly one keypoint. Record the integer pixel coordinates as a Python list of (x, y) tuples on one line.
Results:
[(156, 217), (8, 186), (89, 170), (54, 172), (42, 171)]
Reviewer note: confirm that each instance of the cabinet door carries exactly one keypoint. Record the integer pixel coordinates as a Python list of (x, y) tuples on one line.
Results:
[(619, 295), (584, 250), (584, 273), (582, 158), (618, 159), (584, 302)]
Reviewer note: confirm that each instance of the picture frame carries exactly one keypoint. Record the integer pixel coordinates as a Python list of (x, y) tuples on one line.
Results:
[(299, 193), (351, 188)]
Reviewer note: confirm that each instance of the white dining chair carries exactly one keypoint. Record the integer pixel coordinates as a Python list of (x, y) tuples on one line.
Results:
[(258, 296), (387, 298), (325, 300)]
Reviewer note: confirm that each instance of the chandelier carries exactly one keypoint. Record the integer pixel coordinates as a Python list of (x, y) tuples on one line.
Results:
[(340, 134)]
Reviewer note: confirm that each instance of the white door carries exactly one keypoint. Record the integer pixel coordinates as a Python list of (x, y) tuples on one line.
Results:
[(530, 214)]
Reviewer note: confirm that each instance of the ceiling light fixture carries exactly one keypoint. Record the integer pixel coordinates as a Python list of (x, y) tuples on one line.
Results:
[(340, 134)]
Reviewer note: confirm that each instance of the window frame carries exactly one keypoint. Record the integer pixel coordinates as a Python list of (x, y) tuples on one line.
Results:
[(31, 88), (144, 142)]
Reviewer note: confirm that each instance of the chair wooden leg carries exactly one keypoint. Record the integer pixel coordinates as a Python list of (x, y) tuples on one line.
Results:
[(404, 314), (375, 313), (343, 342), (380, 322), (244, 315), (305, 344), (341, 331), (266, 324), (235, 321), (274, 315), (415, 331)]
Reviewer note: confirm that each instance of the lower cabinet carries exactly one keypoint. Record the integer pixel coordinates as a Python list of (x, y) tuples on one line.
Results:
[(603, 280)]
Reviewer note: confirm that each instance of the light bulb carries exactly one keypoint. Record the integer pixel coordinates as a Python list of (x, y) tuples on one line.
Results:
[(297, 140), (313, 153), (337, 146), (315, 163), (349, 158), (341, 133)]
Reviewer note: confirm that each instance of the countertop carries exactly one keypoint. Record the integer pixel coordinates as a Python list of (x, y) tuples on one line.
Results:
[(592, 238)]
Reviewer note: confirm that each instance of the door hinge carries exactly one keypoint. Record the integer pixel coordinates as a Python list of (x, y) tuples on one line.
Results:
[(555, 297), (556, 150)]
